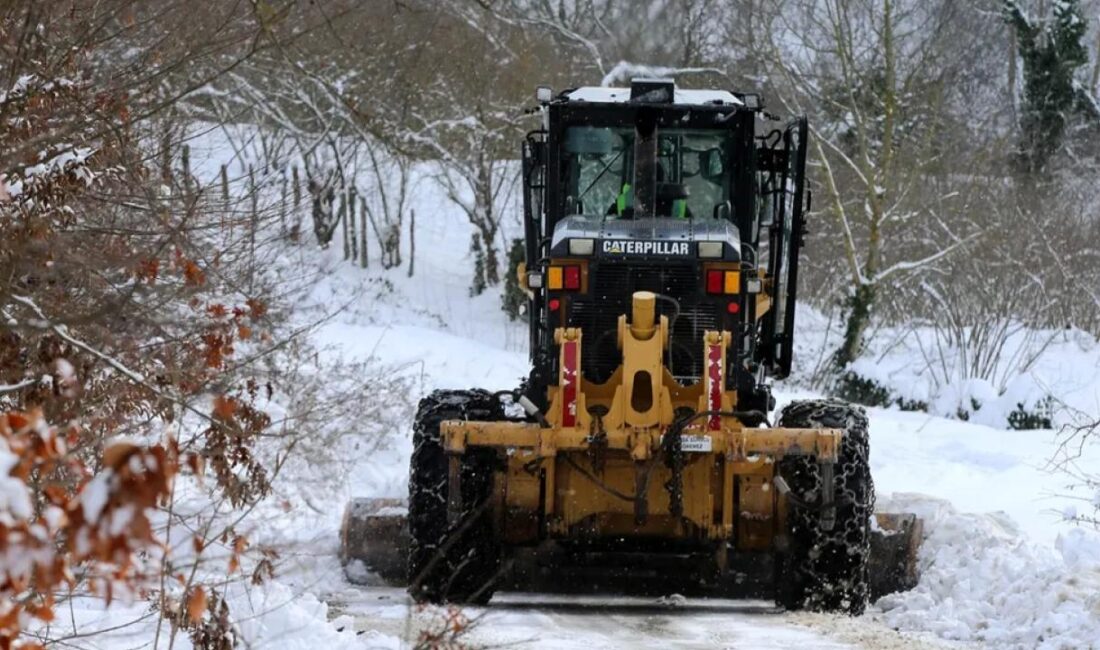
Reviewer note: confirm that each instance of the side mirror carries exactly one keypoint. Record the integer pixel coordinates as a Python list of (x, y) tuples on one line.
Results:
[(543, 94)]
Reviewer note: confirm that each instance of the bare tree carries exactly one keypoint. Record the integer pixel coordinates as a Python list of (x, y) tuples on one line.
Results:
[(879, 79)]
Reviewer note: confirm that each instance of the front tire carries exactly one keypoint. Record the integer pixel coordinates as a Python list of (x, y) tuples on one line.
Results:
[(826, 570), (451, 562)]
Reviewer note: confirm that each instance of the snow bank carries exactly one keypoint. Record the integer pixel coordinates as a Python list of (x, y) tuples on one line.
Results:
[(272, 615), (1055, 371), (277, 617), (983, 582)]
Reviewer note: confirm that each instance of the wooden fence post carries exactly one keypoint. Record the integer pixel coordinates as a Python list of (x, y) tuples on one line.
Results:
[(342, 215), (351, 225), (412, 241), (363, 231)]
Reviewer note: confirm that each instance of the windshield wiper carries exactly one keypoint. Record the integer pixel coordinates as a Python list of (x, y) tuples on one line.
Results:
[(600, 175)]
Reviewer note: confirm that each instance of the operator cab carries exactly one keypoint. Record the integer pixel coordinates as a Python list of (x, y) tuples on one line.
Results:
[(692, 172), (688, 194)]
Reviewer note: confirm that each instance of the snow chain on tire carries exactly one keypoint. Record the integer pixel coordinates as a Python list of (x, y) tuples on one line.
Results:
[(822, 569), (451, 562)]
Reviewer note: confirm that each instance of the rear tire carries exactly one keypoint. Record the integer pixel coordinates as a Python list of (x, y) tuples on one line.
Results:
[(451, 562), (826, 570)]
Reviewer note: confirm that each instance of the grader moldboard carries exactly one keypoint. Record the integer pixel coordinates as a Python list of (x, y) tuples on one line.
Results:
[(663, 229)]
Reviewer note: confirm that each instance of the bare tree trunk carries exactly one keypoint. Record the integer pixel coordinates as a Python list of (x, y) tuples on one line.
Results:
[(254, 221), (1012, 73), (282, 205), (225, 188), (487, 225), (855, 326), (492, 260), (1096, 66), (864, 292), (297, 189), (412, 241), (365, 259), (166, 157), (350, 217), (185, 162)]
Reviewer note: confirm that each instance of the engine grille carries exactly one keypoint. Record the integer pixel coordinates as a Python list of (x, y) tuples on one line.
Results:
[(610, 289)]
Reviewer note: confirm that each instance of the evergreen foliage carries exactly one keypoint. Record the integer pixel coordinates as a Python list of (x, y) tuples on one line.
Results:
[(1052, 52), (513, 299)]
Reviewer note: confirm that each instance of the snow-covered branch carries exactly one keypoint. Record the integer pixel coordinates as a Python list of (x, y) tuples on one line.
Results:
[(624, 71), (914, 265)]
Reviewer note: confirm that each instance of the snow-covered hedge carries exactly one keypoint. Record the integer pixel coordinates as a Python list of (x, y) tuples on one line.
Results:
[(1034, 379)]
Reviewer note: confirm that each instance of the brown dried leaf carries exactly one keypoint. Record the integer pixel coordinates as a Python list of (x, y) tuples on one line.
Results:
[(192, 274), (196, 604), (197, 464), (118, 453), (224, 407)]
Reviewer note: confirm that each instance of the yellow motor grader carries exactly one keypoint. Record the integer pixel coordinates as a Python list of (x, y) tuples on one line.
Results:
[(663, 229)]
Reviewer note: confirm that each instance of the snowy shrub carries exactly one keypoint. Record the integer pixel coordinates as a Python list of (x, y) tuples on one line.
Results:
[(862, 390), (100, 524), (1040, 417)]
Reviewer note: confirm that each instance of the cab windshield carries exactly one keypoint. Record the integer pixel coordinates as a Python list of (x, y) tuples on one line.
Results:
[(693, 174)]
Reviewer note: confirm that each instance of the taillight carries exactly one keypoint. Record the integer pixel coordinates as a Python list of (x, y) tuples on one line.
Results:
[(714, 282), (723, 282), (573, 278), (564, 277)]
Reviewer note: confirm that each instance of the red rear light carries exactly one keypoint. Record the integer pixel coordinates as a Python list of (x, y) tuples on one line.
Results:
[(714, 281), (554, 304), (572, 280), (733, 307)]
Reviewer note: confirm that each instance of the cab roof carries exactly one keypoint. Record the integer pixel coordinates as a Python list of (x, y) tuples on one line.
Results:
[(691, 97)]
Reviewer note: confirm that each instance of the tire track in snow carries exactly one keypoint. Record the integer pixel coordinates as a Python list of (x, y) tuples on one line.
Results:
[(572, 622)]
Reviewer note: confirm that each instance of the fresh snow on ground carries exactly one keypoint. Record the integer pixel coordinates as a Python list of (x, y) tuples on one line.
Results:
[(1001, 568), (984, 581)]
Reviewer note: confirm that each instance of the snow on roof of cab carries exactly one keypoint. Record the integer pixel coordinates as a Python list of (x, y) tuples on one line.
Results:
[(602, 94)]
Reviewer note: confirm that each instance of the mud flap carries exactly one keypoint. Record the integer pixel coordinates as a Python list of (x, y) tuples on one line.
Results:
[(895, 540), (374, 541)]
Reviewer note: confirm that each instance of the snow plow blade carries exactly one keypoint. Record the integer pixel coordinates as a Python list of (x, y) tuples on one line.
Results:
[(374, 541), (895, 541)]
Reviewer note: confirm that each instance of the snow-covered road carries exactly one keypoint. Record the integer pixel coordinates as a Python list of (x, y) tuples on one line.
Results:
[(524, 620)]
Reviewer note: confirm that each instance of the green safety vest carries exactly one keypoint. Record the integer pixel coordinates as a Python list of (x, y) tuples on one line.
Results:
[(626, 200)]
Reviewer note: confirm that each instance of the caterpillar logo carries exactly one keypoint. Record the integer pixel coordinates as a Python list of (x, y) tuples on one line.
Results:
[(668, 248)]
